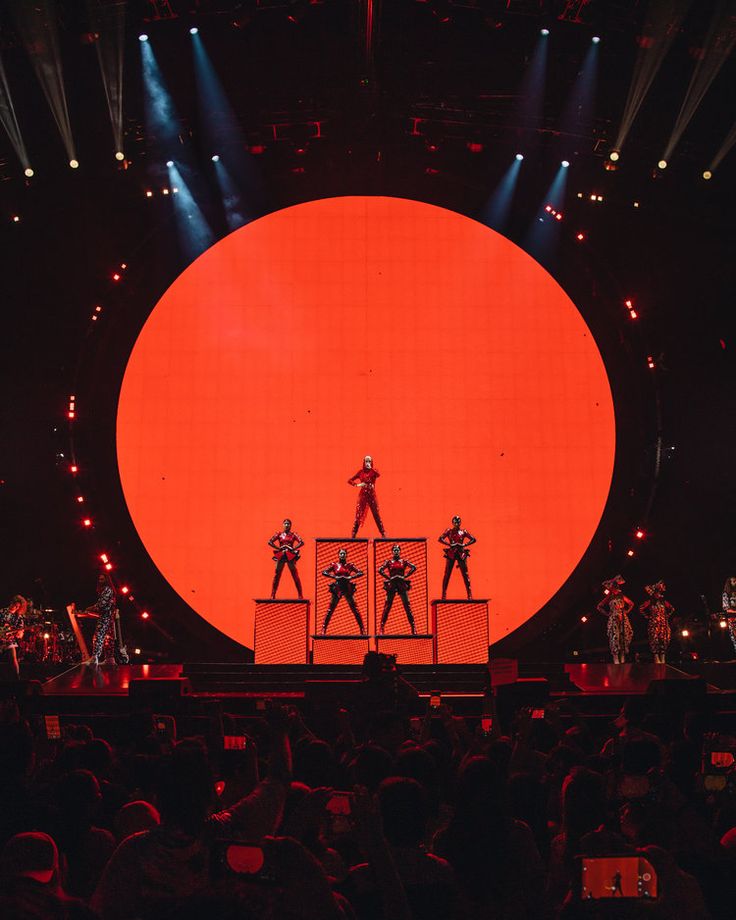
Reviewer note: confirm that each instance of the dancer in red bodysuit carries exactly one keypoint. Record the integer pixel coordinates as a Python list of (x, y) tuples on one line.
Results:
[(397, 571), (344, 574), (286, 546), (365, 480), (456, 541)]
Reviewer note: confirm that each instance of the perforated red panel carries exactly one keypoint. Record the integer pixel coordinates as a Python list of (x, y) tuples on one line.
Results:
[(408, 649), (460, 631), (414, 550), (281, 632), (326, 650), (342, 622)]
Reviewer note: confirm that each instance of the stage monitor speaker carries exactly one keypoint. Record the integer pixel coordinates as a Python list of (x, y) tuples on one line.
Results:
[(158, 692), (682, 692)]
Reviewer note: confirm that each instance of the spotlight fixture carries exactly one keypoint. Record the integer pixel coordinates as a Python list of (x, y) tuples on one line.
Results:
[(215, 157), (564, 164), (706, 175), (143, 37), (684, 633), (169, 163), (519, 157), (74, 164), (614, 156), (596, 39), (29, 172), (662, 164), (119, 155), (544, 31), (193, 30)]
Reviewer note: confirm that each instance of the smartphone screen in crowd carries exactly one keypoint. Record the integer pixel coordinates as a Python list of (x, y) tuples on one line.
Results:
[(617, 877), (234, 742)]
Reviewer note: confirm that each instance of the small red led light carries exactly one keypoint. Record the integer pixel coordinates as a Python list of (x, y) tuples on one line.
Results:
[(257, 149), (630, 552), (70, 414), (73, 468), (629, 304), (640, 535), (108, 567), (558, 216), (80, 499), (580, 236), (87, 522), (475, 147), (145, 615), (116, 276), (583, 619), (104, 557), (633, 314), (125, 589)]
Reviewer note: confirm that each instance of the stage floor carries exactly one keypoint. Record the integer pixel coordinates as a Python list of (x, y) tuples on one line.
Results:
[(249, 680)]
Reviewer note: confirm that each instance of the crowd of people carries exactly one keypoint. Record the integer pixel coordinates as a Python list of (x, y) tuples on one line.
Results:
[(387, 809)]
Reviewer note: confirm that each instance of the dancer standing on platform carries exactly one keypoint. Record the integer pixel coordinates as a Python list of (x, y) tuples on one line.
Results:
[(344, 574), (658, 613), (105, 607), (617, 607), (12, 625), (456, 541), (729, 607), (397, 571), (286, 546), (365, 480)]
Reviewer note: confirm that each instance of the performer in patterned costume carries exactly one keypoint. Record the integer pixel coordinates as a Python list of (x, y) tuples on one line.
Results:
[(396, 572), (286, 546), (457, 542), (729, 607), (658, 613), (365, 480), (616, 606), (12, 624), (105, 607), (343, 575)]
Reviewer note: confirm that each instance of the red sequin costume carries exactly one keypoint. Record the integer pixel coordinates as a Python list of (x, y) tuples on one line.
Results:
[(366, 478), (286, 546), (658, 613), (729, 608), (395, 571), (343, 574), (616, 606), (456, 540)]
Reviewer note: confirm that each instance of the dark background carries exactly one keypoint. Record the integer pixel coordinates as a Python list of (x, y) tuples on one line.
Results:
[(457, 66)]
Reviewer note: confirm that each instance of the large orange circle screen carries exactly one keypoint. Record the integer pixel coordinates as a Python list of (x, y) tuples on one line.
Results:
[(352, 326)]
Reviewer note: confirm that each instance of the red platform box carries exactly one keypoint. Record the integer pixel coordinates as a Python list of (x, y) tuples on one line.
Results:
[(408, 649), (281, 632), (342, 622), (414, 550), (339, 649), (460, 631)]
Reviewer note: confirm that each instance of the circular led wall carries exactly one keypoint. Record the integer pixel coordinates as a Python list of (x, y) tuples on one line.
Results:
[(357, 325)]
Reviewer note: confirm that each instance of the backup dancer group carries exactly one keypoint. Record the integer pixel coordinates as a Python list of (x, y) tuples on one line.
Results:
[(396, 571), (657, 611)]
